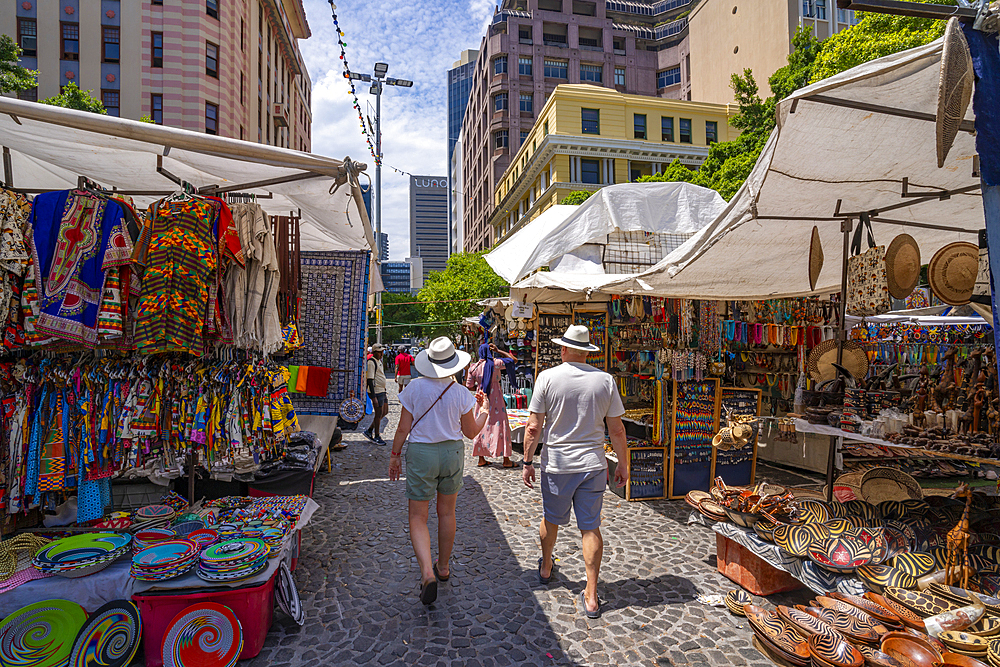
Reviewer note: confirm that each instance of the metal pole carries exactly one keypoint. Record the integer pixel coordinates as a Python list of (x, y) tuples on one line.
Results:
[(378, 201)]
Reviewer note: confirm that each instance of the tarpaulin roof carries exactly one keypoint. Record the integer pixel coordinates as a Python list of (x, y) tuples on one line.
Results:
[(842, 146), (49, 147), (670, 208)]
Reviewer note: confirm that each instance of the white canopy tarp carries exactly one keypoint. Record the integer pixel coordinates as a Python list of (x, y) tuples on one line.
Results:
[(823, 154), (51, 146), (670, 208), (553, 287)]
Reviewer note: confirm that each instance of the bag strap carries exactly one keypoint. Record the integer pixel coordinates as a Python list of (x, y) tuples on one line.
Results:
[(864, 223), (440, 396)]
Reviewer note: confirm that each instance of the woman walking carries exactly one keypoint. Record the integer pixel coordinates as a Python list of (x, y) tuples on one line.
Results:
[(485, 374), (436, 413)]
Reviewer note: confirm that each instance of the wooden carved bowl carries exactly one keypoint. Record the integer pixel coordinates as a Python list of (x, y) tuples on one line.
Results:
[(964, 641), (874, 610), (915, 564), (848, 625), (875, 658), (988, 626), (814, 511), (765, 529), (769, 626), (909, 619), (736, 599), (838, 527), (796, 540), (923, 603), (909, 650), (861, 508), (845, 608), (804, 622), (840, 554), (834, 651), (879, 577), (922, 635), (959, 660)]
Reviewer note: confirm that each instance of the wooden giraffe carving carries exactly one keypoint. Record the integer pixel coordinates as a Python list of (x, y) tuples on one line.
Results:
[(957, 567)]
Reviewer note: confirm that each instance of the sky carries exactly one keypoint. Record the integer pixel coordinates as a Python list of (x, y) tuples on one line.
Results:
[(420, 39)]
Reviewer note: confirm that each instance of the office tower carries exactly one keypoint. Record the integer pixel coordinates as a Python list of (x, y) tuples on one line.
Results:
[(429, 222), (459, 86)]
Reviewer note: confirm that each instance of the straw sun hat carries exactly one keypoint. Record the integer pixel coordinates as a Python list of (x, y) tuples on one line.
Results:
[(824, 355), (815, 258), (952, 272), (902, 266)]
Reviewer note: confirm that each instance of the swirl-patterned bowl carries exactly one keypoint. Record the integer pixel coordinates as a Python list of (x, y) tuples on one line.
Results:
[(769, 626), (834, 651), (804, 622), (879, 577), (814, 511), (874, 610), (736, 599), (851, 626), (915, 564)]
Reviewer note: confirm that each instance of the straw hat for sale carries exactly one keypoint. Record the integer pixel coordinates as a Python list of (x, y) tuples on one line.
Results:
[(952, 272), (902, 266), (955, 87), (824, 356), (815, 258)]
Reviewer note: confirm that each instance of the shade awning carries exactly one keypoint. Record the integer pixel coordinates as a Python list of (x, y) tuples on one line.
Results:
[(843, 146)]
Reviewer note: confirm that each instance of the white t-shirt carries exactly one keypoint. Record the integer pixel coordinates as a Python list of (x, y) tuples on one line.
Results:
[(575, 398), (444, 421), (376, 372)]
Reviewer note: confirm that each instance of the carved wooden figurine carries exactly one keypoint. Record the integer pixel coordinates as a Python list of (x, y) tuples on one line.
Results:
[(957, 566)]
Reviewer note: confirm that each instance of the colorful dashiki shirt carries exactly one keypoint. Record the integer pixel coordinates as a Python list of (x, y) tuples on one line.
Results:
[(180, 273), (76, 238)]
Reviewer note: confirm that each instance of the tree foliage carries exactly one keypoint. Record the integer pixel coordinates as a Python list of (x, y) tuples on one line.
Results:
[(451, 294), (576, 197), (13, 77), (72, 97), (401, 309), (875, 36)]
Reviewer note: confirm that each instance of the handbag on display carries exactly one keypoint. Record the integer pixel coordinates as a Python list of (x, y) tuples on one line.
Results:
[(867, 288)]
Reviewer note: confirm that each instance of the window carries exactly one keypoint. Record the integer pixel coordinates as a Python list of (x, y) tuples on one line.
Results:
[(667, 128), (112, 43), (157, 49), (591, 73), (500, 65), (711, 132), (618, 44), (27, 36), (212, 8), (29, 95), (524, 35), (156, 2), (500, 102), (70, 41), (545, 127), (211, 59), (668, 77), (500, 139), (211, 118), (524, 66), (557, 69), (156, 108), (524, 135), (111, 101), (685, 130), (242, 88), (619, 76), (639, 125), (591, 121), (527, 105), (821, 9), (590, 171), (243, 30)]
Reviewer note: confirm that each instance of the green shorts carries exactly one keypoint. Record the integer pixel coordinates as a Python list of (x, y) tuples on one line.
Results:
[(434, 467)]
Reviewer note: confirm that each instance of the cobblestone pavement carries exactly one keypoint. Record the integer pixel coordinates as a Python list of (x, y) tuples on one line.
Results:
[(359, 581)]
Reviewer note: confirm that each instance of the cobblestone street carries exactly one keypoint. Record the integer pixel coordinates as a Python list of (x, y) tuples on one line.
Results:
[(359, 580)]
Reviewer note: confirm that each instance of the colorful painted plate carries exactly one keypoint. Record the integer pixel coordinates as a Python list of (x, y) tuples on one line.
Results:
[(203, 635), (186, 527), (109, 638), (165, 553), (915, 564), (205, 537), (234, 551), (41, 634), (835, 651), (288, 595), (82, 548)]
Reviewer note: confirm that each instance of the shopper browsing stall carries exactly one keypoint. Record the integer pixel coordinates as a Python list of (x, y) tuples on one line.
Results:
[(436, 413), (573, 401), (494, 440)]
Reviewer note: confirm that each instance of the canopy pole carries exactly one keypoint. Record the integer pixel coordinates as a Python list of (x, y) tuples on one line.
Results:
[(965, 126), (215, 189), (8, 169), (831, 455)]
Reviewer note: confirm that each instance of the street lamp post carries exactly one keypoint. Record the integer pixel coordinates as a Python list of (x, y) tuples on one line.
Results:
[(378, 79)]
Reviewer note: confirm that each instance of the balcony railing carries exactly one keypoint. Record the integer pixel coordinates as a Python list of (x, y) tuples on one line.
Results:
[(504, 14), (642, 9), (659, 32)]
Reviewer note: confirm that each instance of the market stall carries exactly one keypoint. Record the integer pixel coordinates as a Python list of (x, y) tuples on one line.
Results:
[(151, 281)]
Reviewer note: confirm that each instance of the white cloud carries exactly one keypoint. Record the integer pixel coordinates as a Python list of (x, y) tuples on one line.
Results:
[(420, 40)]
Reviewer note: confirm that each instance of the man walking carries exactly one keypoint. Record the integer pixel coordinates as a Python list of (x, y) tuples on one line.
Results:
[(375, 374), (572, 401), (403, 363)]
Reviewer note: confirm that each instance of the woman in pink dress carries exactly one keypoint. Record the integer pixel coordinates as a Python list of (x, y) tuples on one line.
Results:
[(494, 439)]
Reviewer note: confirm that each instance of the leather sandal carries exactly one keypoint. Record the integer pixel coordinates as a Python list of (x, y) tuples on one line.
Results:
[(429, 592), (438, 574)]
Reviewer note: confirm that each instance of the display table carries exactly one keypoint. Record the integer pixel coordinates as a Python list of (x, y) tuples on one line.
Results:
[(814, 577), (749, 570)]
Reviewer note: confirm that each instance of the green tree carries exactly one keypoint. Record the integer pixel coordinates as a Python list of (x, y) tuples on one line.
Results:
[(875, 35), (402, 309), (72, 97), (576, 197), (13, 77), (451, 294)]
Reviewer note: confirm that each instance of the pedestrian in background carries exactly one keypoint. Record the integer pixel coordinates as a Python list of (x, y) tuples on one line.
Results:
[(375, 376), (494, 440), (569, 408), (436, 413), (404, 360)]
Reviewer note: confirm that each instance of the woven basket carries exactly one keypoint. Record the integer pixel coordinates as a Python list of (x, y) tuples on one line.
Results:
[(851, 481), (880, 484)]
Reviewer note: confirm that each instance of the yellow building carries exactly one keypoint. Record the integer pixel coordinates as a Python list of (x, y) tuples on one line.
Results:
[(587, 137)]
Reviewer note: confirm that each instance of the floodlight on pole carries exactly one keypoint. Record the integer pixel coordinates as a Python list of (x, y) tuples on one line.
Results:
[(381, 69)]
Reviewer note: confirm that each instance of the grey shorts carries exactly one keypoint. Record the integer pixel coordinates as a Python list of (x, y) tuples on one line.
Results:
[(583, 491)]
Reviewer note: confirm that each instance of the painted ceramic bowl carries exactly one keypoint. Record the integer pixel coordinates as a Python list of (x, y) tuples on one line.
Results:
[(814, 511), (876, 541), (896, 542), (765, 529), (834, 651), (879, 577), (840, 554), (964, 641), (923, 603), (838, 510), (910, 650), (915, 564), (735, 599)]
